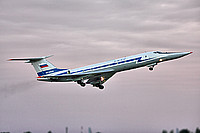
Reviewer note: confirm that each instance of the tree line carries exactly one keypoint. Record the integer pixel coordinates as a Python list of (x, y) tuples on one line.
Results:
[(182, 131)]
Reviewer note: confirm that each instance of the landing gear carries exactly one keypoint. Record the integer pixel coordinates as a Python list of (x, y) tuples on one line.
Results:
[(81, 83), (151, 68), (101, 87)]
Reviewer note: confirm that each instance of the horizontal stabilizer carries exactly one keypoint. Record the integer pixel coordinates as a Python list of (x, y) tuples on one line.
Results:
[(30, 59)]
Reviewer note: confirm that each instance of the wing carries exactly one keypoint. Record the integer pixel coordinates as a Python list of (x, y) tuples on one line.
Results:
[(100, 78), (93, 78)]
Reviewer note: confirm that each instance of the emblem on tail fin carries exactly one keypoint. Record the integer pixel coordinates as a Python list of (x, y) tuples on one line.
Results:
[(43, 65)]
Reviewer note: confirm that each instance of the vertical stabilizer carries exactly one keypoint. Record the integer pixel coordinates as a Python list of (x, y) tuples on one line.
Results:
[(43, 67), (40, 64)]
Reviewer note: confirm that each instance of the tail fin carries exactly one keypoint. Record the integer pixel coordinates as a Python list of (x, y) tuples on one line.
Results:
[(41, 65)]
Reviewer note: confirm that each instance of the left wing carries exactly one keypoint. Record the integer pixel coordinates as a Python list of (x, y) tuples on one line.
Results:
[(94, 78), (100, 79)]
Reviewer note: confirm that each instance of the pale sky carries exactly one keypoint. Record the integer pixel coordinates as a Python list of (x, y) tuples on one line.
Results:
[(80, 33)]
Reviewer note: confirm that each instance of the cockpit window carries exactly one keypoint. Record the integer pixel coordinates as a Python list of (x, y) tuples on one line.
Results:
[(158, 52)]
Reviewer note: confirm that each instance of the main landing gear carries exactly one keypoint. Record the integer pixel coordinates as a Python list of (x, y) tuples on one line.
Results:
[(101, 87), (81, 83)]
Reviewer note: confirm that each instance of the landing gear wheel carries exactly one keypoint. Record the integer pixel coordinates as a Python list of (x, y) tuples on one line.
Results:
[(101, 87), (79, 82), (82, 84), (151, 68)]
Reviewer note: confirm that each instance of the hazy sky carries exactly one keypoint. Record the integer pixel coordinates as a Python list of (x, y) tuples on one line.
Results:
[(83, 32)]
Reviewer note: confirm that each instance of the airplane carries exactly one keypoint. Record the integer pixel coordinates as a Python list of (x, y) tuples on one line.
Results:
[(97, 74)]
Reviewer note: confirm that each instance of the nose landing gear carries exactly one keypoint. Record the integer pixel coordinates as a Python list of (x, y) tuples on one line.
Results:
[(151, 68)]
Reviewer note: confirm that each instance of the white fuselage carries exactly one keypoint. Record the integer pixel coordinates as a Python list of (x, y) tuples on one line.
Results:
[(98, 74), (126, 63)]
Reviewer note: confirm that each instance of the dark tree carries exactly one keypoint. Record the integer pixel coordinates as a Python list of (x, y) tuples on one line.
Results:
[(164, 131), (172, 131), (184, 131), (49, 132), (197, 130)]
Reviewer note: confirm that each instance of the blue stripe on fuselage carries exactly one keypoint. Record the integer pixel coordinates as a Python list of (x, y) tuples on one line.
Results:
[(50, 71), (138, 59)]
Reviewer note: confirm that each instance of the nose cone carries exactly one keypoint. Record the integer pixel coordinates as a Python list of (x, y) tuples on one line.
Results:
[(177, 55), (183, 54)]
